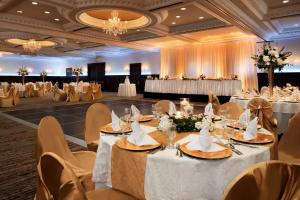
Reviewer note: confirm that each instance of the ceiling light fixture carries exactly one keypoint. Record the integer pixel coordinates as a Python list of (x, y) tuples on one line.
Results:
[(285, 1), (182, 8), (200, 17), (114, 25), (56, 19), (138, 30), (47, 12), (178, 16), (32, 46), (173, 23), (34, 3), (20, 11)]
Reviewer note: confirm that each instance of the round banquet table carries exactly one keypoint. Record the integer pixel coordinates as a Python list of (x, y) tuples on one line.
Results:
[(127, 90), (282, 110), (170, 177)]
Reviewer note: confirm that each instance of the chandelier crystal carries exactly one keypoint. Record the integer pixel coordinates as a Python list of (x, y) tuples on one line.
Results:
[(32, 46), (114, 25)]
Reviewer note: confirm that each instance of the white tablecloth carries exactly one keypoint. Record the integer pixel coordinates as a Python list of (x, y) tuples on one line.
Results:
[(169, 177), (127, 90), (283, 111), (197, 87)]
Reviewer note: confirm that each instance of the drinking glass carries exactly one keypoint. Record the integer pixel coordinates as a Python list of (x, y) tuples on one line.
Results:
[(154, 111), (127, 116), (189, 109), (171, 133)]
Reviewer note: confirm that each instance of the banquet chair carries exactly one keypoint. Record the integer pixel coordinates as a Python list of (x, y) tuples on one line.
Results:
[(8, 100), (29, 90), (60, 182), (48, 86), (289, 144), (266, 180), (72, 95), (39, 92), (97, 93), (87, 94), (65, 87), (58, 94), (213, 99), (96, 116), (50, 138), (261, 108), (16, 96), (232, 110), (163, 106), (264, 90)]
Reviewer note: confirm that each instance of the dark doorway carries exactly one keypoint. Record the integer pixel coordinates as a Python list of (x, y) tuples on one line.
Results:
[(96, 72), (135, 75)]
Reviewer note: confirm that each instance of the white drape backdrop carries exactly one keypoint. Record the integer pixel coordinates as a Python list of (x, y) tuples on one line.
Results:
[(214, 60)]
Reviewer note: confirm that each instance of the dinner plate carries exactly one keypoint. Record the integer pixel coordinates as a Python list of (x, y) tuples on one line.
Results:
[(287, 101), (144, 118), (239, 126), (260, 138), (227, 152), (108, 129), (123, 143)]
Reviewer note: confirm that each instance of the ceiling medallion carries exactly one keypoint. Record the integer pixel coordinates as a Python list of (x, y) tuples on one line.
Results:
[(31, 45), (114, 25)]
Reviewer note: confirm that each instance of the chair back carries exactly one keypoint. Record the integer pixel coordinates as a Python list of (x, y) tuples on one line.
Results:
[(213, 99), (289, 144), (262, 109), (96, 116), (163, 105), (73, 96), (233, 110), (50, 138), (58, 180), (87, 93), (97, 93), (267, 180), (264, 90)]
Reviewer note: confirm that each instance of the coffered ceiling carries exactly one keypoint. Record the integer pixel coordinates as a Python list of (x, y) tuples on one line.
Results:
[(170, 22)]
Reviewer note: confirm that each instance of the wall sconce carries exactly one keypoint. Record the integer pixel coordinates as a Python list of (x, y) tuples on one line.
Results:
[(126, 68)]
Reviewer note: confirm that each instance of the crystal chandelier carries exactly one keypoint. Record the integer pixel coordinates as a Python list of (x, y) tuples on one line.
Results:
[(114, 25), (32, 46)]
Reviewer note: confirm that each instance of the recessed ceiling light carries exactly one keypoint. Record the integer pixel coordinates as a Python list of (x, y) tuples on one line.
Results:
[(285, 1), (182, 8), (35, 3), (173, 22), (47, 12), (200, 17), (177, 16), (20, 11), (56, 19), (138, 30)]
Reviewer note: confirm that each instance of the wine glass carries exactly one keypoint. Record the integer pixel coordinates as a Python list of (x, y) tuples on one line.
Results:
[(127, 116), (171, 133), (154, 110)]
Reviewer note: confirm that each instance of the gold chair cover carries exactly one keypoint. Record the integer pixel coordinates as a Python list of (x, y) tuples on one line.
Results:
[(87, 94), (96, 116), (8, 100), (39, 92), (289, 145), (233, 110), (264, 90), (266, 181), (262, 109), (48, 86), (213, 99), (50, 138), (58, 94), (73, 96), (65, 87), (163, 105), (29, 90), (16, 97), (97, 93)]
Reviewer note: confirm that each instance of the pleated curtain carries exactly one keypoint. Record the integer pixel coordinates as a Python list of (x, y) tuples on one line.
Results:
[(214, 60)]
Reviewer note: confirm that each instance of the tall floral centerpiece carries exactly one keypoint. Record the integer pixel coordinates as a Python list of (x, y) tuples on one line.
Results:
[(23, 71), (43, 74), (77, 71), (269, 59)]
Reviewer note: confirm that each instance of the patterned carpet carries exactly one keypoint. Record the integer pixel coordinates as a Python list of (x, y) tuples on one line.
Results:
[(17, 160)]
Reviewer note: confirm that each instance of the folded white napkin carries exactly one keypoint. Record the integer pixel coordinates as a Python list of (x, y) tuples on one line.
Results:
[(244, 119), (172, 108), (208, 110), (204, 142), (127, 81), (115, 121), (135, 112), (138, 136), (251, 130)]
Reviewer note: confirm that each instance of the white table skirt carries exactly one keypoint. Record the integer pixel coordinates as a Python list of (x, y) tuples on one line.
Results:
[(168, 177), (283, 111), (196, 87), (127, 90)]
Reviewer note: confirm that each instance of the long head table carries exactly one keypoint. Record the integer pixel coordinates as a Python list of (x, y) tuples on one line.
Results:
[(194, 87)]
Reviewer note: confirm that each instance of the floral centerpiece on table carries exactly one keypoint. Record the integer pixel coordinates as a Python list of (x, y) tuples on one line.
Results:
[(77, 71), (43, 74), (202, 77), (234, 77), (192, 123), (23, 71), (166, 77), (269, 59)]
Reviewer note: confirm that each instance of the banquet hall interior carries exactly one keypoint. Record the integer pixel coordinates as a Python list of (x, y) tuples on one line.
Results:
[(151, 99)]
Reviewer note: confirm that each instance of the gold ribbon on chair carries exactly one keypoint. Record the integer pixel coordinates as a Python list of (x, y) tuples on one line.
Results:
[(213, 99), (72, 94)]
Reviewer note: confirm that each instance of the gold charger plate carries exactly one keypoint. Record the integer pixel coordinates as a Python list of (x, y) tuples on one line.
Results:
[(260, 138), (108, 129), (227, 152), (239, 126), (124, 144), (144, 118)]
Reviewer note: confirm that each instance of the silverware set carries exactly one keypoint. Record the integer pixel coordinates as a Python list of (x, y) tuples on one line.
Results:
[(178, 151), (161, 148)]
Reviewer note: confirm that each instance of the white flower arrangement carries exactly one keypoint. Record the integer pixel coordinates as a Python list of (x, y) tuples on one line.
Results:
[(77, 71), (206, 121), (23, 71), (165, 123), (43, 73)]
